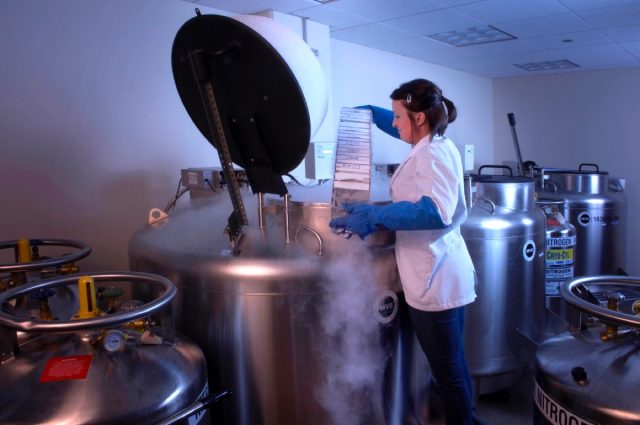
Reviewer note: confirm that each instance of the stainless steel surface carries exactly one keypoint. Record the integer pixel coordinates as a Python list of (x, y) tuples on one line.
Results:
[(298, 337), (505, 236), (141, 384), (599, 216), (578, 375)]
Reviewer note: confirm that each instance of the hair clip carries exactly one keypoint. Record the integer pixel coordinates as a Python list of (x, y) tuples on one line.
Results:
[(408, 97)]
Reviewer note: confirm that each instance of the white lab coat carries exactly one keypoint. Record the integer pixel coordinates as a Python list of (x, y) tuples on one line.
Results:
[(435, 267)]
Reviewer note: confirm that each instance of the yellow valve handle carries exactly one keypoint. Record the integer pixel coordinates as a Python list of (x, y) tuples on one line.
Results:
[(24, 251), (87, 298)]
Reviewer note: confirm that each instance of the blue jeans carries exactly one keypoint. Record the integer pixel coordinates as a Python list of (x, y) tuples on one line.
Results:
[(440, 336)]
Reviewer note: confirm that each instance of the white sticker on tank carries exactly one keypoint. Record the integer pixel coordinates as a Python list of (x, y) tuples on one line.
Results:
[(386, 306), (584, 218), (529, 250), (555, 413)]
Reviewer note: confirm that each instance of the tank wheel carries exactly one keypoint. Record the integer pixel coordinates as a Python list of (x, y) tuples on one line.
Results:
[(611, 316), (10, 320), (82, 251)]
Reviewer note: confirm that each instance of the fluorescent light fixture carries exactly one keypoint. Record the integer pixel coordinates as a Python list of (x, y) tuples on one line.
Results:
[(323, 1), (547, 66), (470, 36)]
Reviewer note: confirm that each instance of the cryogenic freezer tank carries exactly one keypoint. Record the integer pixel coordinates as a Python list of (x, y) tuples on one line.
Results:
[(590, 376), (597, 207), (313, 331), (505, 235), (99, 368), (304, 326)]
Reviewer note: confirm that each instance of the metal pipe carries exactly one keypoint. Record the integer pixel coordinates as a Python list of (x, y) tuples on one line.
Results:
[(317, 236), (260, 210), (512, 123), (195, 408), (287, 230)]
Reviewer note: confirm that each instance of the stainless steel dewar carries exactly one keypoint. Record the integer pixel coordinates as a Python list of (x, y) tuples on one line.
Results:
[(505, 235), (99, 369), (302, 325), (597, 207), (590, 376)]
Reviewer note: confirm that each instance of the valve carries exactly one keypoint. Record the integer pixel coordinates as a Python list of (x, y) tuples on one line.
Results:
[(110, 296), (23, 251), (613, 303), (42, 296), (87, 298)]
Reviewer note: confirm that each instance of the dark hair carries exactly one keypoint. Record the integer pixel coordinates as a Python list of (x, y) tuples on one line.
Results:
[(422, 95)]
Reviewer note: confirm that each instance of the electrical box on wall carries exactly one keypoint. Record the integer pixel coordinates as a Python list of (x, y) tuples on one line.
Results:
[(319, 161), (467, 156)]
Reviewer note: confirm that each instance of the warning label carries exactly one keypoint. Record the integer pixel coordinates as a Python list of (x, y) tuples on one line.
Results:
[(66, 367), (555, 413)]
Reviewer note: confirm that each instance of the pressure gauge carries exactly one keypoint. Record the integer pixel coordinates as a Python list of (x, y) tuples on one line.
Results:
[(114, 340)]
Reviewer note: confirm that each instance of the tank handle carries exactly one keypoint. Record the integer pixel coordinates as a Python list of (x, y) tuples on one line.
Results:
[(489, 201), (317, 236), (584, 164), (163, 302), (504, 167), (567, 293), (83, 251), (554, 186)]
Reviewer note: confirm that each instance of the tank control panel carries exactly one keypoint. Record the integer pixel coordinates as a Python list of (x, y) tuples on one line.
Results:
[(208, 180)]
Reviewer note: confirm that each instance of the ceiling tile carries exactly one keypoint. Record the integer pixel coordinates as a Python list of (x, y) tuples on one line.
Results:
[(522, 57), (578, 54), (593, 4), (546, 25), (497, 11), (383, 10), (371, 34), (612, 16), (434, 22), (611, 61), (333, 18), (413, 45), (622, 34), (502, 47), (561, 41), (633, 46)]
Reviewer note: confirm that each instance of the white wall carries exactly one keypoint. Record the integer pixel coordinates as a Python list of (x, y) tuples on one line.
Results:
[(363, 76), (93, 133), (569, 119)]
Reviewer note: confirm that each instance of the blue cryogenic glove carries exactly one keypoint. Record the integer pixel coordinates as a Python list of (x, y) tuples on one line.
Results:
[(365, 219), (383, 119)]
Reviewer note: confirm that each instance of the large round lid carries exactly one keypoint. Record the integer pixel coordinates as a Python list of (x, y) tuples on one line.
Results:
[(498, 178), (583, 169), (268, 86)]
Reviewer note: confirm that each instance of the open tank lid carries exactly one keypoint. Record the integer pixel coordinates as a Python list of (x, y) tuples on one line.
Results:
[(268, 86)]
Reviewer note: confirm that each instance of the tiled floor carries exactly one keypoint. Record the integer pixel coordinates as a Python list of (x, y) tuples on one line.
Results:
[(511, 406)]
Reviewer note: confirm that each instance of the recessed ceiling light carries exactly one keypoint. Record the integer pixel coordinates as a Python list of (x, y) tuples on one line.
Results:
[(547, 66), (470, 36)]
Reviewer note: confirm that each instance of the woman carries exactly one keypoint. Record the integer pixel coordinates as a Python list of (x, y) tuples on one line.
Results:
[(426, 212)]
